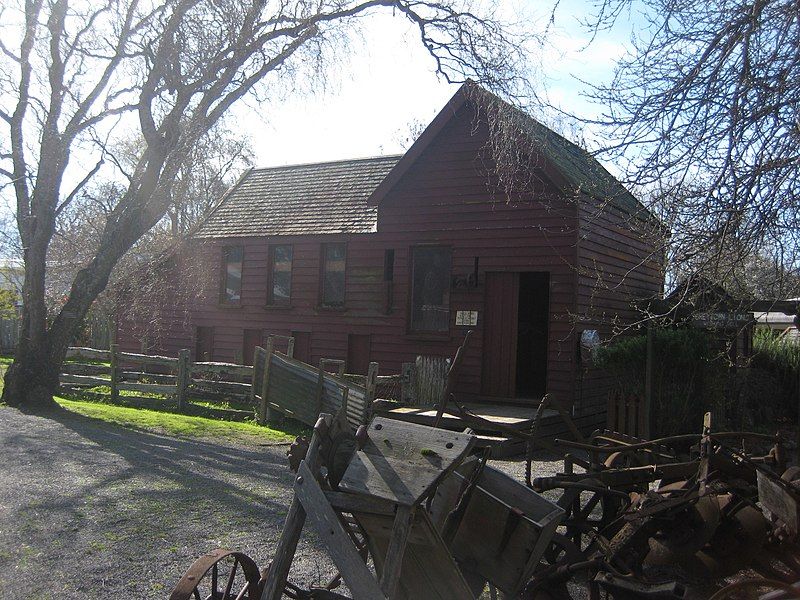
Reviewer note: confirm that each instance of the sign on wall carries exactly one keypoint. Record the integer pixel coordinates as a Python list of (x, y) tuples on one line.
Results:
[(466, 318)]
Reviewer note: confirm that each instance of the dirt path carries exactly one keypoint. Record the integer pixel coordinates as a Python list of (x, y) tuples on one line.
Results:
[(92, 510)]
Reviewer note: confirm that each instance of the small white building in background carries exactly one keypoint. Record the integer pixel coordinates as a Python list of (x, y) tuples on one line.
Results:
[(782, 324)]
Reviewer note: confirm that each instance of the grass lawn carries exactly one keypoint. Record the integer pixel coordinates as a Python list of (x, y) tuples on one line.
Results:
[(166, 421), (176, 424)]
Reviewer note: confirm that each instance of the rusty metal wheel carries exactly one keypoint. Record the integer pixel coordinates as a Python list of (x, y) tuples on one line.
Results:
[(590, 508), (220, 575)]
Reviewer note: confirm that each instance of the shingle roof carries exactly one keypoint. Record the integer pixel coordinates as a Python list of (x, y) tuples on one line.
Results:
[(320, 198)]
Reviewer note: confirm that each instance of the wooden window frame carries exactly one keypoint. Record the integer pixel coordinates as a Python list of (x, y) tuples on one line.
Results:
[(271, 302), (411, 332), (322, 260), (223, 283)]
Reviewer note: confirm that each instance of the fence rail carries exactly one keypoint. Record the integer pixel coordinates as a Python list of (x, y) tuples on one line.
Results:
[(277, 382)]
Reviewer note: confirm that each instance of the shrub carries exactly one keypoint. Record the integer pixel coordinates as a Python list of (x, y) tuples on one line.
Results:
[(777, 359), (688, 376)]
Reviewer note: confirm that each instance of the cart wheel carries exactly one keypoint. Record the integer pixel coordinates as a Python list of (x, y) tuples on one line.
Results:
[(588, 512), (220, 575)]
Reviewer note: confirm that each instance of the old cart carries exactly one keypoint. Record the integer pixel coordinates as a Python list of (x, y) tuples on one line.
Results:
[(404, 511)]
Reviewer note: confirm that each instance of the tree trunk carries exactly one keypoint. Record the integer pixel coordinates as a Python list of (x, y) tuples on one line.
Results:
[(32, 379)]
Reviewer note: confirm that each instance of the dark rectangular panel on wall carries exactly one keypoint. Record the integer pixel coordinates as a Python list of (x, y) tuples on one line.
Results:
[(204, 344), (251, 339), (302, 346), (358, 352), (500, 335)]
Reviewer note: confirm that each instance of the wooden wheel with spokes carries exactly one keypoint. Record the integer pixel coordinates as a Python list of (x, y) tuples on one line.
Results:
[(220, 575)]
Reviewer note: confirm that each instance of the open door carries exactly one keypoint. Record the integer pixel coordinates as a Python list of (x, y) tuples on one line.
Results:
[(500, 335), (515, 336)]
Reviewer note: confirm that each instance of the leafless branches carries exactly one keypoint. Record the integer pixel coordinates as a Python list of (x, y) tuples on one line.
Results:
[(704, 114), (77, 74)]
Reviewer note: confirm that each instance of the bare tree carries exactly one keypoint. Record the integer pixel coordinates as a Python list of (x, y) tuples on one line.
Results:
[(75, 74), (703, 114)]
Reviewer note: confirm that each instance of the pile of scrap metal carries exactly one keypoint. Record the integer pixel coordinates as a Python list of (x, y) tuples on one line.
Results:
[(639, 509)]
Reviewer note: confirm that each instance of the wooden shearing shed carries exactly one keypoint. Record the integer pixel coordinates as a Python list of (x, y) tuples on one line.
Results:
[(386, 258)]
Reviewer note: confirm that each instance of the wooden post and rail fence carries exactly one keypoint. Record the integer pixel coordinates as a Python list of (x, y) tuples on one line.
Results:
[(276, 384)]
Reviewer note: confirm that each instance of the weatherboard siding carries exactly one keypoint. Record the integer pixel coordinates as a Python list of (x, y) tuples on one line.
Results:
[(448, 197), (618, 262)]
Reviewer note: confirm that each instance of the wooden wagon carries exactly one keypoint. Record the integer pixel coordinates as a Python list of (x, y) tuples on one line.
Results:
[(405, 512)]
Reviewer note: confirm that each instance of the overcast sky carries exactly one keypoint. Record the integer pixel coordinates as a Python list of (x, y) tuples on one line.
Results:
[(387, 85)]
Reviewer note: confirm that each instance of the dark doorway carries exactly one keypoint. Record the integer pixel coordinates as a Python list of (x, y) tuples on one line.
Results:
[(252, 338), (515, 327), (204, 344), (302, 346), (532, 333), (358, 351)]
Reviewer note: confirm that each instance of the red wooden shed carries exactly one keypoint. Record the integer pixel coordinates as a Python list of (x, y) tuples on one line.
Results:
[(386, 258)]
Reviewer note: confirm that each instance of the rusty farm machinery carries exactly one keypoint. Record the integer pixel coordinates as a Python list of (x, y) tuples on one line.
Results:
[(407, 511)]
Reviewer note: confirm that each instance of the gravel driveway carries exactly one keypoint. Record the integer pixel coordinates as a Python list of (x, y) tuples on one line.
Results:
[(93, 510)]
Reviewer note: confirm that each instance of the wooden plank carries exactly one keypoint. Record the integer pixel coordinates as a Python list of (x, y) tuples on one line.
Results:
[(147, 359), (222, 369), (71, 368), (152, 388), (351, 503), (505, 530), (220, 387), (259, 356), (88, 354), (87, 380), (319, 513), (182, 377), (295, 519), (151, 377), (402, 462), (115, 373), (429, 571), (397, 548)]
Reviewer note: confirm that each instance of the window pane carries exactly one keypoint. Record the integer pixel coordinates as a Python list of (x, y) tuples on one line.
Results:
[(430, 310), (233, 274), (281, 274), (333, 275)]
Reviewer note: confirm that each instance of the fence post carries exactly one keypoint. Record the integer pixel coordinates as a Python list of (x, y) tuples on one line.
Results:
[(258, 369), (646, 431), (408, 384), (264, 411), (182, 378), (290, 347), (114, 374), (371, 385)]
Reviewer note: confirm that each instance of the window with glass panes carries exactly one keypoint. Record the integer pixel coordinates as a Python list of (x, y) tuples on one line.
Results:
[(430, 288), (280, 275), (231, 292), (333, 274)]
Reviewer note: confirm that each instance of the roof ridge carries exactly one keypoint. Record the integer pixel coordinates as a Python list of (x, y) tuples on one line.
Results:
[(330, 162)]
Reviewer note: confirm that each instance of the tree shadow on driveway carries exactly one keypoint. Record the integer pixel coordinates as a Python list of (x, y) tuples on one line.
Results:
[(88, 507)]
